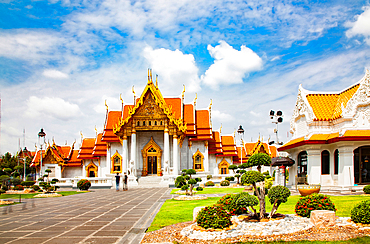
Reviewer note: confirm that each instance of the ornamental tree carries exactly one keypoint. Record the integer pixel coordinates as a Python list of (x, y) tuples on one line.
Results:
[(186, 182), (252, 178), (277, 195), (259, 159), (233, 167)]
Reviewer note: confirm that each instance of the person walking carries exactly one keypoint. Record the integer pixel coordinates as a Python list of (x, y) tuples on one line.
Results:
[(125, 182), (118, 177)]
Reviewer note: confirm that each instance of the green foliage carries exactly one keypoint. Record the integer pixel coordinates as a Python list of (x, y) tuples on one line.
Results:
[(48, 171), (28, 183), (229, 201), (266, 174), (209, 177), (35, 187), (15, 181), (279, 194), (268, 183), (18, 188), (180, 181), (215, 217), (366, 189), (2, 191), (8, 170), (192, 181), (184, 171), (45, 186), (187, 177), (191, 172), (199, 188), (185, 187), (225, 183), (40, 179), (243, 166), (258, 189), (209, 183), (233, 167), (83, 185), (361, 212), (230, 178), (252, 177), (245, 201), (313, 202), (242, 171), (198, 179), (259, 159), (237, 175), (4, 187)]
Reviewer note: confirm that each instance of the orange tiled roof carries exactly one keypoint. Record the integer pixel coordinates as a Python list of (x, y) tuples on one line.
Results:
[(74, 158), (215, 146), (189, 119), (112, 120), (357, 133), (86, 150), (239, 157), (100, 148), (328, 107), (175, 104), (228, 146), (203, 127)]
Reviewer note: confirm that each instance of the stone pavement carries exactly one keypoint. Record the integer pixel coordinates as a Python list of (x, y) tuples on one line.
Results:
[(100, 216)]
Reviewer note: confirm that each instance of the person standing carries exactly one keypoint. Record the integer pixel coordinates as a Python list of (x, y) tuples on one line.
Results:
[(118, 177), (125, 182)]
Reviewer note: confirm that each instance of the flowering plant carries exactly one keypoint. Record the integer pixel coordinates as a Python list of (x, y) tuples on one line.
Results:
[(307, 204), (230, 203), (215, 217), (83, 185)]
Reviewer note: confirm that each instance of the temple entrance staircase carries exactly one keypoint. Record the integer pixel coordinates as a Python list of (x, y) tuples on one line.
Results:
[(151, 181)]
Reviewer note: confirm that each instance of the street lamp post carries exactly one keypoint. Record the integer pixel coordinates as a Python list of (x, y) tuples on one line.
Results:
[(241, 135), (41, 135), (277, 119)]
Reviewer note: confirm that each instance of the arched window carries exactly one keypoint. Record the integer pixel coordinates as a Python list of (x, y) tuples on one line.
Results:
[(302, 164), (116, 163), (150, 122), (325, 162), (223, 167), (198, 161), (138, 123), (336, 161)]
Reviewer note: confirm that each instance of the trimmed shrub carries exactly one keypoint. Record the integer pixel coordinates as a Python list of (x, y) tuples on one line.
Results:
[(277, 196), (215, 217), (209, 183), (366, 189), (199, 188), (15, 181), (312, 202), (229, 201), (268, 183), (266, 174), (185, 187), (231, 178), (361, 212), (35, 187), (245, 201), (209, 177), (252, 177), (18, 188), (225, 183), (83, 185), (2, 191), (4, 187), (28, 183)]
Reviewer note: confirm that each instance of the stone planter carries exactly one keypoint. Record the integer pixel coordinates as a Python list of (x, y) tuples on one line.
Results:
[(306, 190)]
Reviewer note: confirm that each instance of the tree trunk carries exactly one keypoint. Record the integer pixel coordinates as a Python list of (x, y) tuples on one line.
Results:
[(274, 208), (261, 198), (259, 168), (191, 189)]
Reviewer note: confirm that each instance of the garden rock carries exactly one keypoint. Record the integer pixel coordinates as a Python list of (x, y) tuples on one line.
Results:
[(196, 211), (323, 218)]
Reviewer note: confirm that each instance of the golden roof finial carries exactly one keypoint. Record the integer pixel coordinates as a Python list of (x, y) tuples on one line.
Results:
[(53, 142), (156, 81), (220, 128), (234, 133), (96, 130), (195, 99), (133, 90), (120, 98), (151, 75), (105, 103), (210, 105), (82, 136), (148, 76), (183, 93)]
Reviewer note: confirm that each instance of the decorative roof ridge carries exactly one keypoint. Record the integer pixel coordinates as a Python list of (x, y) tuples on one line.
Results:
[(308, 92)]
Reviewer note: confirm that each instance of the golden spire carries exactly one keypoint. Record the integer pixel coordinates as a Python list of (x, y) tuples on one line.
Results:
[(148, 76), (210, 105), (133, 90), (195, 99), (105, 103), (183, 93), (156, 81), (220, 128), (96, 131), (82, 136), (151, 76), (120, 98)]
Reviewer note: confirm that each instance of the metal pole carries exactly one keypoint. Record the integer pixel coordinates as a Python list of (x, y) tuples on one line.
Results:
[(41, 162), (24, 172)]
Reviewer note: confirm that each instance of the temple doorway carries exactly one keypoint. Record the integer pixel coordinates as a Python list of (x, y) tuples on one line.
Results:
[(152, 154), (361, 160)]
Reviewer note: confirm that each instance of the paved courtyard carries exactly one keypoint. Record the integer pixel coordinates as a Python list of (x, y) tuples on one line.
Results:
[(101, 216)]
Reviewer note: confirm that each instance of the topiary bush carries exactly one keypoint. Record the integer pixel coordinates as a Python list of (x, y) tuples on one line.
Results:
[(83, 185), (245, 201), (199, 188), (225, 183), (312, 202), (277, 196), (229, 201), (209, 183), (28, 183), (35, 187), (18, 188), (230, 178), (366, 189), (360, 213), (252, 177), (215, 217), (209, 177)]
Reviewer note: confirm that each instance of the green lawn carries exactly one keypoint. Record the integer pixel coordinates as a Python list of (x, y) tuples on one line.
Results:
[(174, 211), (214, 190), (362, 240), (30, 195)]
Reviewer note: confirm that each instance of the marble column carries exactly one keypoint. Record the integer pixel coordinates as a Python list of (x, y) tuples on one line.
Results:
[(345, 167), (124, 153), (206, 161), (166, 151), (133, 151), (314, 166), (175, 155), (83, 169)]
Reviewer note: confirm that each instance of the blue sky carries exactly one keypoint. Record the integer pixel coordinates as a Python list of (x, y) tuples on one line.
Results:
[(60, 60)]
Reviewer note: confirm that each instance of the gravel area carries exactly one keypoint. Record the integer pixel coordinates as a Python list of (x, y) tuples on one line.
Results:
[(339, 232)]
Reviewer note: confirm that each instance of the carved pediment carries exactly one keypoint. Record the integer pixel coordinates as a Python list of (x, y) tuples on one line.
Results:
[(301, 109), (149, 109)]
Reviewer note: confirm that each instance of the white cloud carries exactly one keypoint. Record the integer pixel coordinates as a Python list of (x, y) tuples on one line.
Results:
[(230, 65), (174, 69), (52, 107), (361, 26), (216, 114), (55, 74), (114, 104)]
